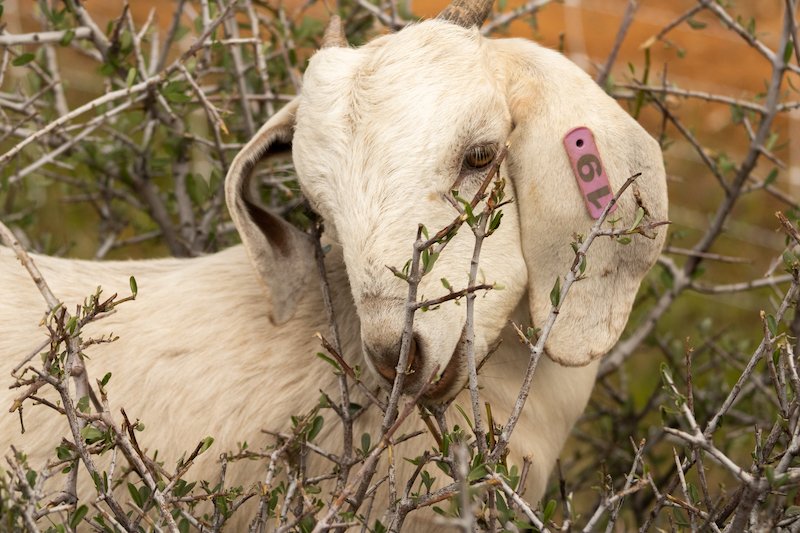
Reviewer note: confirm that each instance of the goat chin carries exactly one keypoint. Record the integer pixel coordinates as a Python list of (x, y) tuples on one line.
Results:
[(197, 355)]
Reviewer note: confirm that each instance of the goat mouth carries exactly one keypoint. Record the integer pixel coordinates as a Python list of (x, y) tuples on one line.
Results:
[(449, 382), (453, 379), (440, 390), (437, 392)]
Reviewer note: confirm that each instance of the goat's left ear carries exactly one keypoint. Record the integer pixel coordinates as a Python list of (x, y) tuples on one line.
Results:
[(548, 97), (282, 255)]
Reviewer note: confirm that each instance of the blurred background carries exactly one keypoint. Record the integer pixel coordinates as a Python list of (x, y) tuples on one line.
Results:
[(701, 55)]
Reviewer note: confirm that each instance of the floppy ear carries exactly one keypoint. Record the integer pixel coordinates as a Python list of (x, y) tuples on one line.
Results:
[(282, 255), (548, 98)]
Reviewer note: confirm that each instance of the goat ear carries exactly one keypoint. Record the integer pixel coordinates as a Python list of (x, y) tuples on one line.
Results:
[(282, 255), (549, 97)]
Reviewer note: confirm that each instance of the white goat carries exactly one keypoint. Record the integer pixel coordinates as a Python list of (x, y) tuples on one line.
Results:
[(223, 345)]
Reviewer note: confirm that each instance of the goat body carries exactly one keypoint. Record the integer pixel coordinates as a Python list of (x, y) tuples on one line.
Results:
[(198, 356)]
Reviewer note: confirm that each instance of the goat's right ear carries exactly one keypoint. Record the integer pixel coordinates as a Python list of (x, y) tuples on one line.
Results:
[(282, 255), (551, 100)]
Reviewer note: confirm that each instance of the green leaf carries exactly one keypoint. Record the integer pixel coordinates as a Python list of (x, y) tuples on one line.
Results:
[(771, 140), (182, 488), (330, 361), (771, 177), (207, 442), (134, 492), (355, 407), (91, 434), (83, 404), (470, 215), (787, 52), (24, 59), (555, 293), (105, 379), (477, 473), (400, 275), (638, 219), (694, 495), (695, 24), (67, 38), (428, 260), (446, 284), (63, 453), (751, 26), (445, 448), (466, 417), (131, 77), (176, 93), (495, 222), (134, 286), (316, 427), (640, 95), (323, 402), (144, 494), (549, 511), (72, 323), (366, 442), (427, 479), (77, 516), (99, 482), (789, 260), (624, 240), (737, 114), (772, 325)]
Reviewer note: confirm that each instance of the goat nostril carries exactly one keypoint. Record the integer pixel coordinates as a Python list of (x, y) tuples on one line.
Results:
[(386, 366), (412, 353), (386, 371)]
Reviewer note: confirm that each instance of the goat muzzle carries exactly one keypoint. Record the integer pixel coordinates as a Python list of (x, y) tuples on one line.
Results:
[(385, 362)]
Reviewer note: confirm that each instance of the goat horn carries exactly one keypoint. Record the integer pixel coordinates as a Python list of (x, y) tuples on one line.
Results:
[(467, 13), (334, 34)]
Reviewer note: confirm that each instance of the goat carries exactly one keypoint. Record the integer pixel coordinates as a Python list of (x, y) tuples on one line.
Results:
[(223, 344)]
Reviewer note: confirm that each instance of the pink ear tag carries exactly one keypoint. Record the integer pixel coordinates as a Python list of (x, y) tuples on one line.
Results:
[(589, 171)]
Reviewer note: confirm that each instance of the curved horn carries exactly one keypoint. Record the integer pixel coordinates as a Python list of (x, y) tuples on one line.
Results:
[(467, 13), (334, 34)]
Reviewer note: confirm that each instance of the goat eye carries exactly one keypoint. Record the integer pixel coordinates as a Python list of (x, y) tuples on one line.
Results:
[(479, 157)]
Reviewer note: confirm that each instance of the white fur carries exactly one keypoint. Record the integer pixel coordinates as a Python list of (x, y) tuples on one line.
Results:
[(214, 346)]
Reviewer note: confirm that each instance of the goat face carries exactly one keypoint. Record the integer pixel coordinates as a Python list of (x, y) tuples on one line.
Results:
[(380, 136)]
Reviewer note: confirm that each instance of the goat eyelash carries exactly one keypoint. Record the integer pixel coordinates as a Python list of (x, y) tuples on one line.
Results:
[(475, 160), (479, 157)]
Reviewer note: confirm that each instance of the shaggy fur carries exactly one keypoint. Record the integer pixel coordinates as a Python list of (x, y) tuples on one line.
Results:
[(223, 345)]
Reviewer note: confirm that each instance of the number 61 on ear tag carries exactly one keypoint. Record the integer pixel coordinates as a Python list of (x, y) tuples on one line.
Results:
[(589, 171)]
